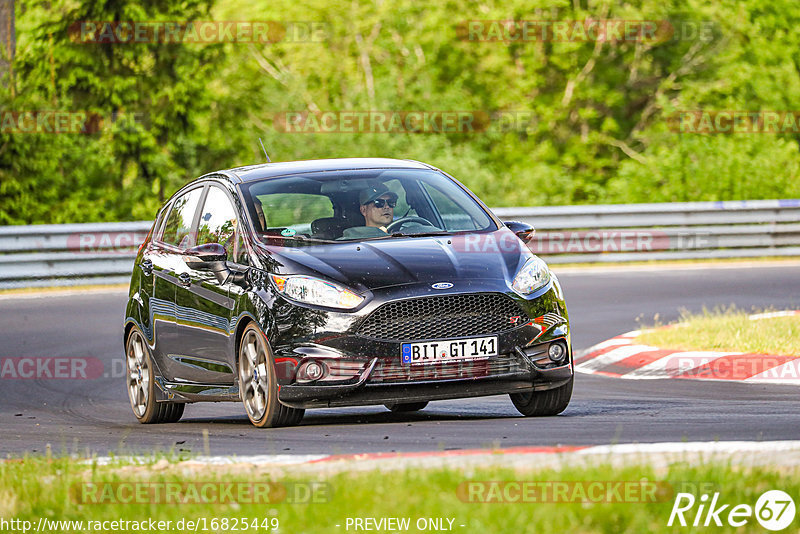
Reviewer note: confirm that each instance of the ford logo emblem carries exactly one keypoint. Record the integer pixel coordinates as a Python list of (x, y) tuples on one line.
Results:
[(442, 285)]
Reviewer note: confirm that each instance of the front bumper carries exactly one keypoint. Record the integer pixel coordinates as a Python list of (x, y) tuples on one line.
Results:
[(363, 391), (369, 369)]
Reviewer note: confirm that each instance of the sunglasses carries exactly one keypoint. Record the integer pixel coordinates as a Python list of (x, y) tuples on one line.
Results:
[(381, 202)]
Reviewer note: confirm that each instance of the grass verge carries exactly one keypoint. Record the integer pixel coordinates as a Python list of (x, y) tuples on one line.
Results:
[(729, 330), (636, 498)]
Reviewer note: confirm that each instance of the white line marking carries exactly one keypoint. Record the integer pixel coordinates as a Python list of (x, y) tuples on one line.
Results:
[(609, 343), (653, 370), (611, 357), (771, 315), (631, 334), (675, 364), (723, 447), (696, 446), (787, 373)]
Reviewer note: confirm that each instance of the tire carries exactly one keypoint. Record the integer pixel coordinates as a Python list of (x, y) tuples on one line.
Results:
[(402, 407), (258, 385), (141, 384), (543, 403)]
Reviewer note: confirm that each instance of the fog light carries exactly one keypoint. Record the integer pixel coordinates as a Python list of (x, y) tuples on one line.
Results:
[(556, 352), (314, 371), (311, 370)]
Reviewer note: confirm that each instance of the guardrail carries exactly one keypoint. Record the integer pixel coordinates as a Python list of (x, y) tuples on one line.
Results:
[(102, 253), (666, 231)]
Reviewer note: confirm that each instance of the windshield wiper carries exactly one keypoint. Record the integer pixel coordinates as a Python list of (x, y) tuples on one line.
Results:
[(421, 234), (298, 237)]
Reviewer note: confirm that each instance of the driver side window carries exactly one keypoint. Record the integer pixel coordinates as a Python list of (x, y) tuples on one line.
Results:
[(453, 216), (219, 224)]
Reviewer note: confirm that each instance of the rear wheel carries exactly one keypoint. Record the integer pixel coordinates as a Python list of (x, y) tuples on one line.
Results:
[(258, 385), (543, 403), (407, 406), (141, 385)]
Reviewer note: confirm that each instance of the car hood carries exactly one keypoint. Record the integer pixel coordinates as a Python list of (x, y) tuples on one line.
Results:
[(395, 261)]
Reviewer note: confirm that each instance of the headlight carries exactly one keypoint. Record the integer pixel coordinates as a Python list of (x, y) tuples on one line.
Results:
[(533, 275), (315, 291)]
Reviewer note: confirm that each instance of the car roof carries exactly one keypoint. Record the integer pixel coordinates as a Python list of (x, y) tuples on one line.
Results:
[(267, 170)]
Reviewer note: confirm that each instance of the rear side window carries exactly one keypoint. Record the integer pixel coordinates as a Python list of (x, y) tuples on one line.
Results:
[(178, 227), (294, 210)]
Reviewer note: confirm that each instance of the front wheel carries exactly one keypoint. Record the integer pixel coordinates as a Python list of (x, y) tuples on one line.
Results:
[(258, 385), (543, 403), (141, 386)]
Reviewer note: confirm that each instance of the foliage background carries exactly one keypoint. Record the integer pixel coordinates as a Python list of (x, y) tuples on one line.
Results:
[(600, 133)]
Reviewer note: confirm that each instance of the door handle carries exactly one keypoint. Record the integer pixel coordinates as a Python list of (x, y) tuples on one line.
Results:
[(147, 266), (185, 279)]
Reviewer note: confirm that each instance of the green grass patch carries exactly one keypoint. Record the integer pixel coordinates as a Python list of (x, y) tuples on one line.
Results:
[(35, 488), (729, 330)]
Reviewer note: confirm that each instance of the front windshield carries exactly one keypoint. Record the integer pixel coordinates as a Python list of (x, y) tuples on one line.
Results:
[(362, 204)]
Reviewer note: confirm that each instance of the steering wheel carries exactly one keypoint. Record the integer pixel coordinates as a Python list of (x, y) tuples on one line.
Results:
[(395, 225)]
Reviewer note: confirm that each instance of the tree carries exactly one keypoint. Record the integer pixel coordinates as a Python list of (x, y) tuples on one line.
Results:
[(149, 104), (8, 41)]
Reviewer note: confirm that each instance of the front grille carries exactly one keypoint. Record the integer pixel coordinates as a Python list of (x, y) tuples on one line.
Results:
[(395, 371), (446, 316)]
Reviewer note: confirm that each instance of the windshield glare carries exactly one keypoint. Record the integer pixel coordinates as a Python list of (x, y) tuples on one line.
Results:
[(364, 204)]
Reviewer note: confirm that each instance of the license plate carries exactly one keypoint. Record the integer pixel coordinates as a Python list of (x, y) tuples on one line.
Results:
[(447, 350)]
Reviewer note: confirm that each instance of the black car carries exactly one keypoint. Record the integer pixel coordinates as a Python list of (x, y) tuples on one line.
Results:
[(340, 282)]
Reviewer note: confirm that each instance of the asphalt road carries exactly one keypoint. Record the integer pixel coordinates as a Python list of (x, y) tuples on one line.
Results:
[(94, 415)]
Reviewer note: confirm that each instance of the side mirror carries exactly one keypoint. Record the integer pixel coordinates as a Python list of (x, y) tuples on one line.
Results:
[(208, 257), (214, 258), (523, 230)]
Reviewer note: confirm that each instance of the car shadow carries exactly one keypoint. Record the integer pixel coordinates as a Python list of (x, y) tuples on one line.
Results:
[(376, 415), (322, 419)]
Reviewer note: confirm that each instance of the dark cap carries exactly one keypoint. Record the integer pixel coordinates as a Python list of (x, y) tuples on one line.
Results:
[(373, 192)]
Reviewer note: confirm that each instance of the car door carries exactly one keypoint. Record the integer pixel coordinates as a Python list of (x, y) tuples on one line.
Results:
[(204, 306), (164, 259)]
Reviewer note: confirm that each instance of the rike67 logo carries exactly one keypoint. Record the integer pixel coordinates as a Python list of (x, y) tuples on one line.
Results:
[(774, 510)]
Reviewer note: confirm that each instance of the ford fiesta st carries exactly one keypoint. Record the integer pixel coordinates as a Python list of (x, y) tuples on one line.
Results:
[(340, 282)]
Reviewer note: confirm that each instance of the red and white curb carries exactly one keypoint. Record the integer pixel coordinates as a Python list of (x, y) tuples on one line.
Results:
[(481, 456), (620, 357)]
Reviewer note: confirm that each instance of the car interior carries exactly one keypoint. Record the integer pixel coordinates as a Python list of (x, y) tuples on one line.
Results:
[(344, 212)]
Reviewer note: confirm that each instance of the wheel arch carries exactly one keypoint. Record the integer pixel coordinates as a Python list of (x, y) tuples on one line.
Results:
[(240, 327), (244, 320), (131, 322)]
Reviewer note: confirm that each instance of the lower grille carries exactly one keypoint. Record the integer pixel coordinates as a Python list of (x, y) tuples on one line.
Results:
[(394, 371)]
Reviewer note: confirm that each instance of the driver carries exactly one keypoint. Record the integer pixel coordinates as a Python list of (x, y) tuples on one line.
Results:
[(376, 204)]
